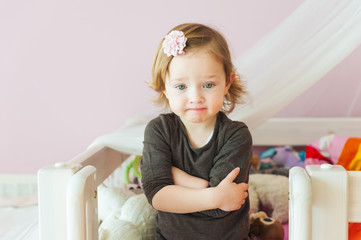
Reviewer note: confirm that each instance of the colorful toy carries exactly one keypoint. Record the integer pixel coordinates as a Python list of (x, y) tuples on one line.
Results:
[(282, 156), (354, 231), (136, 169)]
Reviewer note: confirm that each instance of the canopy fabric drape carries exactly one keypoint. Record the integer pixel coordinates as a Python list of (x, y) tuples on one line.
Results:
[(300, 51)]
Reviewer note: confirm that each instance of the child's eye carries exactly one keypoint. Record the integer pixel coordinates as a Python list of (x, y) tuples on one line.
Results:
[(180, 87), (208, 85)]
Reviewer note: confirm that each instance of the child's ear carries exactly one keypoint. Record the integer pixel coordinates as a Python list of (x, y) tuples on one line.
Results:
[(231, 80), (165, 93)]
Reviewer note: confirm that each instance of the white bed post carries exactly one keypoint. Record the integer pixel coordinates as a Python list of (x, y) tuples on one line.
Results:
[(333, 198), (52, 189), (329, 202), (300, 205)]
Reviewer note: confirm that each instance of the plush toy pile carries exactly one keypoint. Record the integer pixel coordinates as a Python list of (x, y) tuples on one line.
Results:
[(332, 149)]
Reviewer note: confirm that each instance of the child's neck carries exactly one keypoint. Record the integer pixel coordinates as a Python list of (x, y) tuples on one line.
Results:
[(199, 133)]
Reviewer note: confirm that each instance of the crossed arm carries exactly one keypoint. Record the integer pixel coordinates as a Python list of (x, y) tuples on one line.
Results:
[(186, 180), (192, 194), (172, 190)]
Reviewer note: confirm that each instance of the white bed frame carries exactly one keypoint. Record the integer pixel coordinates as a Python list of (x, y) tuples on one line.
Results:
[(323, 199), (68, 191), (68, 194)]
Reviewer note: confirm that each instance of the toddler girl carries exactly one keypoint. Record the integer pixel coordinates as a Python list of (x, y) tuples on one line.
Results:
[(196, 160)]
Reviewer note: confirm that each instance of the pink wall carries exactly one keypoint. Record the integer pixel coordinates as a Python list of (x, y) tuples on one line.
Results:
[(73, 70)]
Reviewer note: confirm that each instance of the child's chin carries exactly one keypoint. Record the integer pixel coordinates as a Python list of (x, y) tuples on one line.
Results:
[(193, 119), (196, 119)]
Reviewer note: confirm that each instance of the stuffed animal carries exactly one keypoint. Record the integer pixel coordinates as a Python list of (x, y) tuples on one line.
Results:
[(255, 162), (265, 228), (282, 156), (269, 192), (135, 220), (288, 157)]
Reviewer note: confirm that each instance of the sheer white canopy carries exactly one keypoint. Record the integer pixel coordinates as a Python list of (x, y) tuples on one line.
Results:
[(300, 51)]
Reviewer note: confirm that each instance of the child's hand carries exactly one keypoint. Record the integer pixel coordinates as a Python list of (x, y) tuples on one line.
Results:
[(231, 196)]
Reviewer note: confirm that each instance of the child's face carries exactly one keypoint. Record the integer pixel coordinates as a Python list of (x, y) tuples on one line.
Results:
[(195, 86)]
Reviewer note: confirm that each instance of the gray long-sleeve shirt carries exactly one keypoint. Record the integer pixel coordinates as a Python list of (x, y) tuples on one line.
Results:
[(166, 144)]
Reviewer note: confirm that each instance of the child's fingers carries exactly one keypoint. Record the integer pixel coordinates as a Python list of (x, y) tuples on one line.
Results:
[(243, 189), (244, 186), (245, 194)]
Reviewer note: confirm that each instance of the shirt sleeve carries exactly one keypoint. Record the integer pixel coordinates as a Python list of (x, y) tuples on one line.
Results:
[(156, 163), (236, 152)]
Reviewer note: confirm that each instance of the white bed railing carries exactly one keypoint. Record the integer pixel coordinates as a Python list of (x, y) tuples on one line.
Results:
[(323, 199), (68, 197)]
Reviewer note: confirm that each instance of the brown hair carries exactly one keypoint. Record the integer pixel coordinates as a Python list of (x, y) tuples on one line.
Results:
[(199, 36)]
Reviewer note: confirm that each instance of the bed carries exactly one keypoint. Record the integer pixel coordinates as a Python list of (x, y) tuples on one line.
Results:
[(68, 191)]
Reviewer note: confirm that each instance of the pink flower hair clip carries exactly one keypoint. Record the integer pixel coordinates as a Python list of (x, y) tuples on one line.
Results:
[(174, 43)]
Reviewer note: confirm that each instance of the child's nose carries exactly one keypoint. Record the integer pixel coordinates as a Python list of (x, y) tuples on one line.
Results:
[(195, 95)]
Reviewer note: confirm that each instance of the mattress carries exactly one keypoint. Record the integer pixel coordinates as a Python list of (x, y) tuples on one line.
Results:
[(18, 223)]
